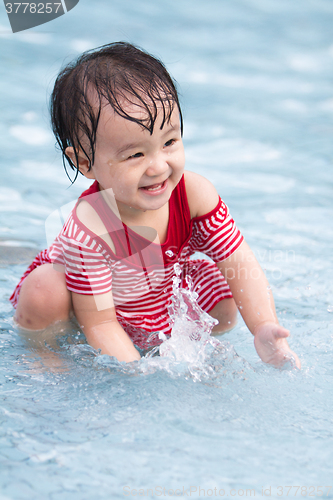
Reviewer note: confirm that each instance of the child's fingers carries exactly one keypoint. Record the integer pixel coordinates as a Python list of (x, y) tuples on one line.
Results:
[(281, 333)]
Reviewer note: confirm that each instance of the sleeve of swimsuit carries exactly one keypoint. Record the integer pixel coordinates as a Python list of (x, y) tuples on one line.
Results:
[(216, 234), (87, 268)]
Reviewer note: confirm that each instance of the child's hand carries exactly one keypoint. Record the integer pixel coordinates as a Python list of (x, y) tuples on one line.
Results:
[(272, 346)]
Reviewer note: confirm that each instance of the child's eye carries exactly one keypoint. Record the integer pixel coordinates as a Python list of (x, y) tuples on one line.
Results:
[(169, 143), (136, 155)]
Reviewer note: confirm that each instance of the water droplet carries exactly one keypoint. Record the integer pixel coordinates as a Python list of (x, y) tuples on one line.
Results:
[(330, 309), (242, 290), (169, 253), (240, 307), (178, 269)]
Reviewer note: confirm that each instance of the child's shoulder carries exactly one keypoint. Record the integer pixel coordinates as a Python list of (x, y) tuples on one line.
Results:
[(202, 196), (87, 216)]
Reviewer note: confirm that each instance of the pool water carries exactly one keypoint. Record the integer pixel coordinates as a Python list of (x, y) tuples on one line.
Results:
[(256, 88)]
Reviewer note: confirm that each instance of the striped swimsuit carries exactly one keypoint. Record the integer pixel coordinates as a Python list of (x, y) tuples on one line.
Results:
[(140, 272)]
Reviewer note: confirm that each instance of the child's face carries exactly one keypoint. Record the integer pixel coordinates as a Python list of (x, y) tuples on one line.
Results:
[(141, 169)]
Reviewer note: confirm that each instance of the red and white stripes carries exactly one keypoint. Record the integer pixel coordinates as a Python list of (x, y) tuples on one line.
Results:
[(141, 294)]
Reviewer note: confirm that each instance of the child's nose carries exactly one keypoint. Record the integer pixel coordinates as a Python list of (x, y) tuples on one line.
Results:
[(157, 165)]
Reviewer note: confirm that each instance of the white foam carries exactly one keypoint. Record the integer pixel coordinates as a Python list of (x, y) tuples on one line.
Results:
[(81, 45), (5, 31), (294, 105), (35, 37), (44, 170), (305, 63), (199, 77), (11, 201), (8, 194), (326, 105), (32, 135), (30, 116), (311, 220), (263, 82), (263, 183), (18, 244), (230, 151)]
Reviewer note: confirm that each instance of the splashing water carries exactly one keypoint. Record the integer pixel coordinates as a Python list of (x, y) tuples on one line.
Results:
[(191, 349), (190, 339)]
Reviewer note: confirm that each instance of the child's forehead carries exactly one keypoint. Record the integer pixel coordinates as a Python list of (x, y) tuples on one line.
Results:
[(127, 102), (137, 113), (137, 104), (126, 108), (135, 117)]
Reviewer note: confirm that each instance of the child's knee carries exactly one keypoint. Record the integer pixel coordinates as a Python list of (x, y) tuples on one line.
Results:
[(43, 299)]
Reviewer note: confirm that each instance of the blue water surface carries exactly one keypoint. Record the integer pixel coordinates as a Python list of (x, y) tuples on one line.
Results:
[(255, 78)]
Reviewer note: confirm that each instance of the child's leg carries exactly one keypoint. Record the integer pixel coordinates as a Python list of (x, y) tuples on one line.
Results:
[(44, 299), (226, 314)]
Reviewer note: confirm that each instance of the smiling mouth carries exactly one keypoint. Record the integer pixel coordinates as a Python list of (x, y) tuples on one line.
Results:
[(154, 187)]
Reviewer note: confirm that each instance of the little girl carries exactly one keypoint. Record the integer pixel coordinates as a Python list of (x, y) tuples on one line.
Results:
[(116, 116)]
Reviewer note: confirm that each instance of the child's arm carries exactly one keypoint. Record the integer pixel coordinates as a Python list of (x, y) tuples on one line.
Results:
[(247, 282), (101, 328), (96, 313), (255, 302)]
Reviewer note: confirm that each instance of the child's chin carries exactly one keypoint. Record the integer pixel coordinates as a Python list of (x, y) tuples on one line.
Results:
[(153, 206)]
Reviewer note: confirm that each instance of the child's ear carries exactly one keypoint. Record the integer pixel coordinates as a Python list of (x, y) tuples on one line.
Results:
[(83, 161)]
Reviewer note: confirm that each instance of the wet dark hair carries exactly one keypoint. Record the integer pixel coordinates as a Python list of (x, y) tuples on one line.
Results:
[(119, 73)]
